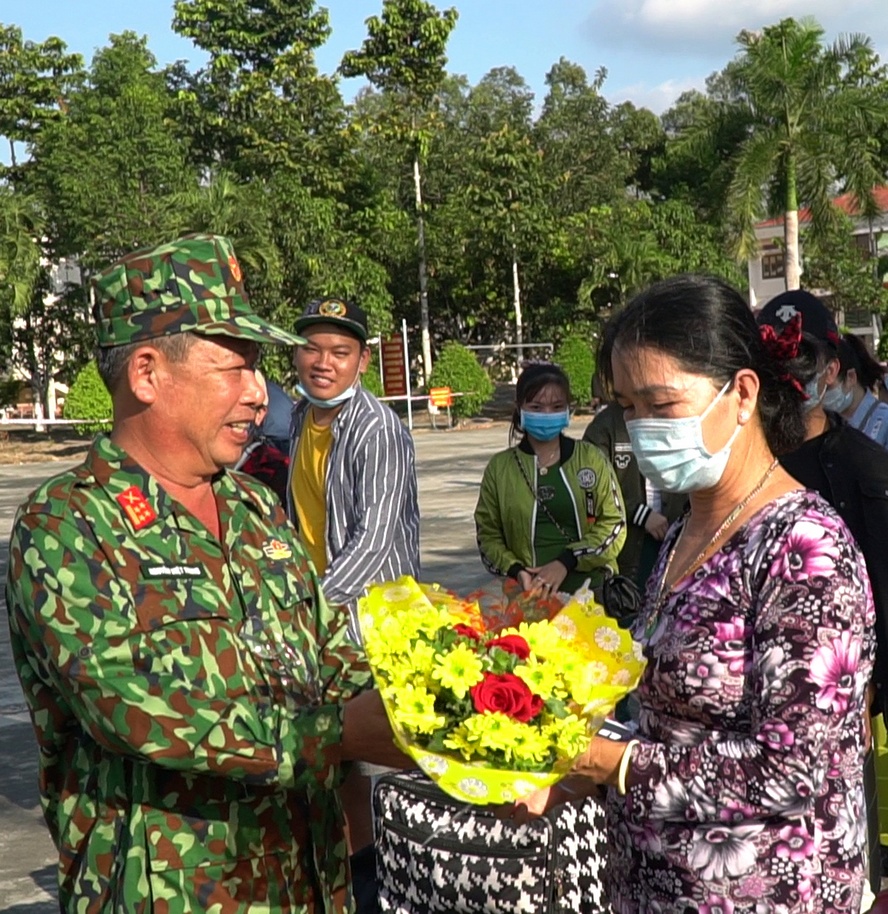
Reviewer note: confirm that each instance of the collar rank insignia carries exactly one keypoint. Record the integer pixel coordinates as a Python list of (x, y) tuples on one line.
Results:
[(277, 550), (136, 507)]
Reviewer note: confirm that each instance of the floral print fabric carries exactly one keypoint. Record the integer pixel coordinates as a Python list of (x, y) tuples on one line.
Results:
[(746, 793)]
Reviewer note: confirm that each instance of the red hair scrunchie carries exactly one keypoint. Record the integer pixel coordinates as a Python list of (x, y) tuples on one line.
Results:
[(784, 345)]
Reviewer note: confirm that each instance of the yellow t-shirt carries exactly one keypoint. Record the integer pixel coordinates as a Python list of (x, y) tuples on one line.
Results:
[(309, 489)]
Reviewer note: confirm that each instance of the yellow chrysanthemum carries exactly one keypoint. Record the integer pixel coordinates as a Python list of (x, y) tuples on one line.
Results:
[(400, 672), (483, 734), (531, 745), (542, 677), (414, 708), (465, 743), (570, 736), (388, 636), (458, 670), (544, 638), (421, 658)]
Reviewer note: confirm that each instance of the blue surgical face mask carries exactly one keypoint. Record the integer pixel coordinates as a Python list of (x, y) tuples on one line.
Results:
[(333, 402), (671, 453), (544, 426), (837, 399)]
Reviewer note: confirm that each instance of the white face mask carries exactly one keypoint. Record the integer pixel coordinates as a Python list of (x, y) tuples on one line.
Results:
[(813, 392), (332, 402), (671, 453)]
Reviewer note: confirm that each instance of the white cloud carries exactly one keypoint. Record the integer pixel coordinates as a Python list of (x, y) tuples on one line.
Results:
[(707, 28), (657, 98)]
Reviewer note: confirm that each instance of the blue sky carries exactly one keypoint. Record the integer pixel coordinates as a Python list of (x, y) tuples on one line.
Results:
[(652, 49)]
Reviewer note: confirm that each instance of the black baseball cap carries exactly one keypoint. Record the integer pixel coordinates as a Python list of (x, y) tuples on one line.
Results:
[(336, 311), (817, 321)]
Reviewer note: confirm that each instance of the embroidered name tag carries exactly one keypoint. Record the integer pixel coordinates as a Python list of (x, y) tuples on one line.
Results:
[(158, 572)]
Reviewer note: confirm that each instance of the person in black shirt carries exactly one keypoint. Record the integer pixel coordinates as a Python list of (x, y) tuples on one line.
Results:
[(841, 463)]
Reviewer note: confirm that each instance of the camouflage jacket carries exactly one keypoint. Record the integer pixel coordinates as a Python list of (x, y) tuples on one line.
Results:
[(185, 695)]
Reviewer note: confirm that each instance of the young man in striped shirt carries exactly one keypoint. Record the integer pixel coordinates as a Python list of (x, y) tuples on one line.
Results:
[(351, 494)]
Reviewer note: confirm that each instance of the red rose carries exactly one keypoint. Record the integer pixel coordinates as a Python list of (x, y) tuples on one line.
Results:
[(506, 693), (514, 644), (467, 631)]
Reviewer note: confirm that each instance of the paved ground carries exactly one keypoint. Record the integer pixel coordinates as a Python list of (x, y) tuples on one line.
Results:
[(450, 464)]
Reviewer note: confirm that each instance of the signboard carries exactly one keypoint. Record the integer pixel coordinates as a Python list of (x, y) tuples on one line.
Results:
[(441, 396), (394, 367)]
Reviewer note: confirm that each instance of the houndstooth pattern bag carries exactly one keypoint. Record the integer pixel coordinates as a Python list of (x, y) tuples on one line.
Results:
[(437, 855)]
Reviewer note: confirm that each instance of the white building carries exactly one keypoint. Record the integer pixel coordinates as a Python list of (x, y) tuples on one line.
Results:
[(766, 270)]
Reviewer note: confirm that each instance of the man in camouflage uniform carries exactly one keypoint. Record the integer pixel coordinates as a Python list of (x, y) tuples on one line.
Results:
[(192, 694)]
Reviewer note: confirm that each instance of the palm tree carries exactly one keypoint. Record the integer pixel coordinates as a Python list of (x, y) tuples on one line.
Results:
[(811, 112), (21, 227)]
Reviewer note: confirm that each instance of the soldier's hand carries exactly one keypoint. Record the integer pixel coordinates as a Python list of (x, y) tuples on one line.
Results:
[(367, 734)]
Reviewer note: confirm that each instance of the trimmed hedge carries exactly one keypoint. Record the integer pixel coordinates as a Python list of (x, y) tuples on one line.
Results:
[(576, 357), (458, 369), (88, 398)]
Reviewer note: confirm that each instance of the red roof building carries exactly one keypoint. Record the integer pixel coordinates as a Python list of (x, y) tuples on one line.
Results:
[(766, 271)]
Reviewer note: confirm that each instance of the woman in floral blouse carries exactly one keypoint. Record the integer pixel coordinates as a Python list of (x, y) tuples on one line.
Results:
[(743, 792)]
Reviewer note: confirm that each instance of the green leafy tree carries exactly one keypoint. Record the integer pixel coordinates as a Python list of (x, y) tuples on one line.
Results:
[(505, 198), (623, 255), (260, 105), (35, 78), (501, 99), (404, 56), (621, 249), (293, 246), (702, 137), (641, 141), (109, 169), (835, 263), (458, 369), (371, 379), (581, 156)]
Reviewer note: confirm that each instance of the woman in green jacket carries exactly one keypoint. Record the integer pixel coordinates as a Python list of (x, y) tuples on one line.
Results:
[(550, 513)]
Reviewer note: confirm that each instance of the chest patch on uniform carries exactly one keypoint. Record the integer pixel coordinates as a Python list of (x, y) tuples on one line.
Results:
[(621, 461), (136, 507), (277, 550), (587, 478), (158, 572)]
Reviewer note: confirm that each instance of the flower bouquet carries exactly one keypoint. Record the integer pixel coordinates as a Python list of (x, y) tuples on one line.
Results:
[(494, 701)]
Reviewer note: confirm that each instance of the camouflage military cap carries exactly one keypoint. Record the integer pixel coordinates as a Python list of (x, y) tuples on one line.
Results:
[(191, 284)]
